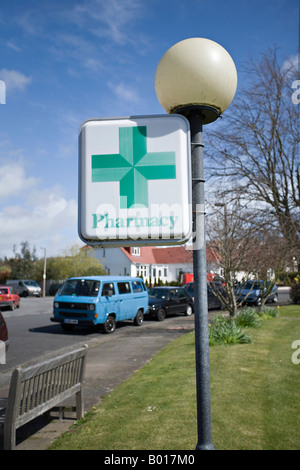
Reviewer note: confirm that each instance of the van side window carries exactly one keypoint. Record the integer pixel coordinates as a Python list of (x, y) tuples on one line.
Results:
[(136, 286), (124, 287), (108, 286)]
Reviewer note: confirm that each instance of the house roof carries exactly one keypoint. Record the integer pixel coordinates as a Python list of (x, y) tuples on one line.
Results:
[(169, 255), (153, 255)]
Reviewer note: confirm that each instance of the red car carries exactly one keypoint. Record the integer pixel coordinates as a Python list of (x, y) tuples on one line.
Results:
[(8, 298), (3, 335)]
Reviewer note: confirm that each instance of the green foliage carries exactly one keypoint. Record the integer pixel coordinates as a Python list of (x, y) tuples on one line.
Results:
[(225, 330), (23, 265), (295, 292), (75, 262), (267, 312), (288, 278), (248, 317), (4, 273)]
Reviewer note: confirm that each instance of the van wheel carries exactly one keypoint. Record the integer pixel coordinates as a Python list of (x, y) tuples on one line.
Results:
[(110, 324), (139, 318)]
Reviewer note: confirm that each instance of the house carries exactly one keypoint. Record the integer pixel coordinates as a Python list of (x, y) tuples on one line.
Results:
[(165, 263)]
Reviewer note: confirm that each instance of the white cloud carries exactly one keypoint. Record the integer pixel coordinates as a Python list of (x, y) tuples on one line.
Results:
[(14, 80), (42, 216), (110, 19), (13, 46), (52, 219), (125, 93), (13, 179)]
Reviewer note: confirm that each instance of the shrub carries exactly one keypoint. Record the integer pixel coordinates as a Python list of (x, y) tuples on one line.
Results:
[(248, 317), (225, 331), (295, 293), (267, 312)]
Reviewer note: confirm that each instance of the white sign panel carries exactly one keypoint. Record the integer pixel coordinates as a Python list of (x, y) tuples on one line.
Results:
[(134, 181)]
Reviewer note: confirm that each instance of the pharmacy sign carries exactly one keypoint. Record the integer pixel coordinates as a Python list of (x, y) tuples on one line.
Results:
[(134, 181)]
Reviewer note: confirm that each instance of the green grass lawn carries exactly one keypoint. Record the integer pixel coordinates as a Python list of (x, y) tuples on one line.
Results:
[(254, 397)]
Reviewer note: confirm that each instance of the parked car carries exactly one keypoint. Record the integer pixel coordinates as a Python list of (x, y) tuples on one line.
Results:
[(212, 300), (54, 288), (8, 297), (3, 333), (25, 287), (253, 291), (164, 301)]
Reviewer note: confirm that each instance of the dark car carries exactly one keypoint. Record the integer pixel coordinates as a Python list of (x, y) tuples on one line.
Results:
[(253, 291), (164, 301), (212, 300), (3, 336), (8, 297)]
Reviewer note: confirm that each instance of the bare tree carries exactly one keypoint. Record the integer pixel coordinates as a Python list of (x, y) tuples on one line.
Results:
[(255, 150), (246, 252), (232, 238)]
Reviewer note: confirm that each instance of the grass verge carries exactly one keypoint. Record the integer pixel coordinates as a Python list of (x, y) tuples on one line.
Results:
[(254, 397)]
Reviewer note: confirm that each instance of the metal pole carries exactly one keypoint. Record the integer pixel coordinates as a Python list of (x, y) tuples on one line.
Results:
[(44, 273), (200, 285)]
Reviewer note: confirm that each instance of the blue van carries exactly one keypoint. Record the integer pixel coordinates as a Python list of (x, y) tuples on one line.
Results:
[(100, 300)]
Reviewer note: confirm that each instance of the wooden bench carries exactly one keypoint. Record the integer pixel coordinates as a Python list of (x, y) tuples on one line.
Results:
[(40, 387)]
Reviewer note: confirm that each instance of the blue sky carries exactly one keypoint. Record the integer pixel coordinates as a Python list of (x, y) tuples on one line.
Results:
[(64, 61)]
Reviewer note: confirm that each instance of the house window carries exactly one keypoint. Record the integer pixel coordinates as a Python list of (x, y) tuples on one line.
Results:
[(178, 272), (165, 272), (136, 251), (143, 270)]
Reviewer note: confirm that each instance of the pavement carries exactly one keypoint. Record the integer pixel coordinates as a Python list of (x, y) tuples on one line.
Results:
[(111, 359)]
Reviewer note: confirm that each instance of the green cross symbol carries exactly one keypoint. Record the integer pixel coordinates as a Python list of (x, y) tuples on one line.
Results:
[(133, 166)]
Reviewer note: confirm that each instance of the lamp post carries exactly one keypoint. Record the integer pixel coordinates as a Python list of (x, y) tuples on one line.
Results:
[(197, 78), (44, 272)]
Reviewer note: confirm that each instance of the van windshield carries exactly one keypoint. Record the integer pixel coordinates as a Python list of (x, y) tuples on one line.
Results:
[(30, 283), (80, 287)]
